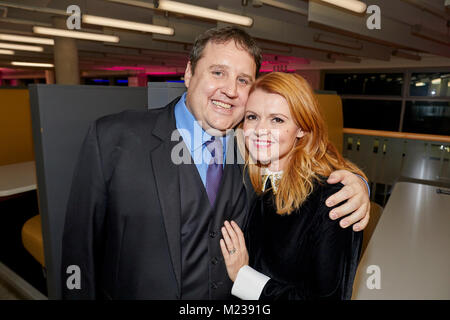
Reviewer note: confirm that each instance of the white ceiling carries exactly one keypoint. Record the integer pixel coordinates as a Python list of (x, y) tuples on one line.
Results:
[(287, 38)]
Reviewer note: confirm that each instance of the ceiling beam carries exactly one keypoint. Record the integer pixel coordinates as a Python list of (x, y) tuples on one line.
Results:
[(15, 5), (430, 7), (25, 22), (393, 33), (301, 35)]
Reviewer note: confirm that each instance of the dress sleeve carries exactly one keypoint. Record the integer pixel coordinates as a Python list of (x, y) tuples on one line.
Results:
[(335, 255), (249, 283)]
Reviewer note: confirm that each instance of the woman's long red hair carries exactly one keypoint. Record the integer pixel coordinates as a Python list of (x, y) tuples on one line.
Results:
[(313, 155)]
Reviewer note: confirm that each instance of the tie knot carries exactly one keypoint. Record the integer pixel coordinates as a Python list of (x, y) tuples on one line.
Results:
[(215, 147)]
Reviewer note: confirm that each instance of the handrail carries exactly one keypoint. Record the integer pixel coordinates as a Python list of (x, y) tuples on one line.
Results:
[(400, 135)]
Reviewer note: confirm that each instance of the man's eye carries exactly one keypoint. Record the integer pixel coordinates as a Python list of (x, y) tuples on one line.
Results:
[(243, 81), (217, 73)]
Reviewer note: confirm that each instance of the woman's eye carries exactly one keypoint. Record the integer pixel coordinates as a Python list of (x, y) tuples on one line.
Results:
[(278, 120), (251, 117)]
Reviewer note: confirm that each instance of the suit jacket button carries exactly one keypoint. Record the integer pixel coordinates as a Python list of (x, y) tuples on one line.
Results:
[(213, 234), (214, 260), (214, 285)]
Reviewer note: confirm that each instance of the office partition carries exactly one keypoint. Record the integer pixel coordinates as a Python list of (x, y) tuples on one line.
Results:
[(15, 126), (161, 93), (61, 116)]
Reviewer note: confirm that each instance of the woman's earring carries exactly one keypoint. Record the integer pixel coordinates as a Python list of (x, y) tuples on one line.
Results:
[(300, 134)]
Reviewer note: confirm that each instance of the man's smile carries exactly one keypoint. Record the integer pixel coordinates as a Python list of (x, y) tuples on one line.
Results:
[(222, 104)]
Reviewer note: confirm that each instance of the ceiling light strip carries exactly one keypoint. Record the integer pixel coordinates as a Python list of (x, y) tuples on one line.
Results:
[(123, 24), (285, 6), (188, 9), (17, 38), (352, 5), (31, 64), (4, 51), (192, 10), (22, 47), (76, 34)]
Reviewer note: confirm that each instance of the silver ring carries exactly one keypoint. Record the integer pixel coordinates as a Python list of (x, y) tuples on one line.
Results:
[(232, 251)]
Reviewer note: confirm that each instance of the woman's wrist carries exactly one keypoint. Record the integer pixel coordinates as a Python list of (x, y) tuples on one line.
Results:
[(237, 273)]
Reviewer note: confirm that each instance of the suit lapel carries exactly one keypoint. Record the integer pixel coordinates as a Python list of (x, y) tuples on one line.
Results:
[(167, 182)]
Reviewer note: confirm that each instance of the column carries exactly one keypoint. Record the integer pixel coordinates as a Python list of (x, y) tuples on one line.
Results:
[(49, 77), (65, 56), (138, 80)]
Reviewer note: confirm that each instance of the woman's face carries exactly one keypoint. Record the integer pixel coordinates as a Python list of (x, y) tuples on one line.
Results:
[(270, 130)]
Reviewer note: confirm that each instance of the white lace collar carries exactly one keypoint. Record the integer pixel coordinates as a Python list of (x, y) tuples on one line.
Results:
[(274, 176)]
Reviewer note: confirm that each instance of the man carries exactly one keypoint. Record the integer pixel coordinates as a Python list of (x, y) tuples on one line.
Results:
[(141, 226)]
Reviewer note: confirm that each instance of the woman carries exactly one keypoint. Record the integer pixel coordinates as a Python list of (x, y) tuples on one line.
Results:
[(294, 250)]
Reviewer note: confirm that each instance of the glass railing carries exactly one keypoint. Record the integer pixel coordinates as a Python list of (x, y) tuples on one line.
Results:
[(387, 157)]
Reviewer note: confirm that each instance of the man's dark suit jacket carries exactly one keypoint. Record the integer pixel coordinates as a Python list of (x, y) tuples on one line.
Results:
[(122, 225)]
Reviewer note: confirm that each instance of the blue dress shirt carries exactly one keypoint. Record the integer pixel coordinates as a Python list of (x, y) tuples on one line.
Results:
[(195, 137)]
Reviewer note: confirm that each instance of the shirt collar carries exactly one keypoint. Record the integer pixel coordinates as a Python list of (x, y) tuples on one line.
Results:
[(267, 171), (185, 120), (274, 176)]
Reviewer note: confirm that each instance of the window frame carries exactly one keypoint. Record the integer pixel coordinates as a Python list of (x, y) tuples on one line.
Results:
[(405, 91)]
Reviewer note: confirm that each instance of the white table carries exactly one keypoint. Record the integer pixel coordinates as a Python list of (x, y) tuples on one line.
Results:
[(14, 179), (17, 178), (410, 245)]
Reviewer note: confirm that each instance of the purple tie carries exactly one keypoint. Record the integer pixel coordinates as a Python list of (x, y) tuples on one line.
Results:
[(215, 168)]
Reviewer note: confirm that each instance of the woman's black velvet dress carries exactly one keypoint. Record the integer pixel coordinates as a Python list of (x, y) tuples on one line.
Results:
[(306, 254)]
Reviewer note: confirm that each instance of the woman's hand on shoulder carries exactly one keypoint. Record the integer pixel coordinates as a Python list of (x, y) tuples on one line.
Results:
[(233, 248)]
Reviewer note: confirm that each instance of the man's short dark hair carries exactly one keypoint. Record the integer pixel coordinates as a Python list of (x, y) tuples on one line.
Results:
[(223, 35)]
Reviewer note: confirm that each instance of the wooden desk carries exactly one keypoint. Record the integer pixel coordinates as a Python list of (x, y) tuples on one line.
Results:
[(17, 178), (410, 245)]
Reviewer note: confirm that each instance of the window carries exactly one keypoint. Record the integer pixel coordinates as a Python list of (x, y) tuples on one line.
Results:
[(388, 84), (430, 84), (431, 117), (408, 101), (372, 114)]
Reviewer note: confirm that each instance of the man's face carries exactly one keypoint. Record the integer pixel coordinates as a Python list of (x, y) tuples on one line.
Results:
[(218, 91)]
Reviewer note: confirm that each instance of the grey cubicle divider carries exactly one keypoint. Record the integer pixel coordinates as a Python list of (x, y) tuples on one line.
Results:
[(161, 93), (60, 118)]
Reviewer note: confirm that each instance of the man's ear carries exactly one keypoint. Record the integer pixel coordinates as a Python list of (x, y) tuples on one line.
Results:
[(300, 133), (188, 74)]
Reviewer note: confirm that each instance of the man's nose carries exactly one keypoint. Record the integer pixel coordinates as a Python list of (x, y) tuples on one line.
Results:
[(230, 89)]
